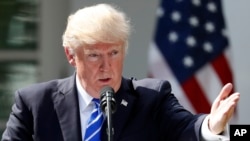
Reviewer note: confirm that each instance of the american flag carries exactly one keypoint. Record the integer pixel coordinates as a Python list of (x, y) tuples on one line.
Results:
[(191, 50)]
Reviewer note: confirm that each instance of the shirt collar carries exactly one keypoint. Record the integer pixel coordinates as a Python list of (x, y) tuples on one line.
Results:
[(84, 98)]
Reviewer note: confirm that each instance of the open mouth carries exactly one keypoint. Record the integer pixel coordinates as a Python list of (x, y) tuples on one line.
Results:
[(105, 80)]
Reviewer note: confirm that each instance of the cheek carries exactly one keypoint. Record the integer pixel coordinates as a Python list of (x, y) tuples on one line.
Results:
[(118, 66), (84, 68), (90, 69)]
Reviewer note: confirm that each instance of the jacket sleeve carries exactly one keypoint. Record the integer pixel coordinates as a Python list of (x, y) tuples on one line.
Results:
[(19, 125), (174, 118)]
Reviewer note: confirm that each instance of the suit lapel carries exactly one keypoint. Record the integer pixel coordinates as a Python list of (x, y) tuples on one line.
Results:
[(124, 101), (67, 108)]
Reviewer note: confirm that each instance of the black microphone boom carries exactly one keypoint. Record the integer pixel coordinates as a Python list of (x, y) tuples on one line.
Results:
[(108, 106)]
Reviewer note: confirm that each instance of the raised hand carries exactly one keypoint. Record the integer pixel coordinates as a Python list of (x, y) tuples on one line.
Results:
[(222, 109)]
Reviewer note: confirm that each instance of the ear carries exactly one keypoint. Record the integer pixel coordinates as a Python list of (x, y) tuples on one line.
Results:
[(70, 56)]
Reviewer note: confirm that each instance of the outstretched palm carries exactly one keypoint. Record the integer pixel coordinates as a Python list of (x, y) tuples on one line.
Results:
[(222, 109)]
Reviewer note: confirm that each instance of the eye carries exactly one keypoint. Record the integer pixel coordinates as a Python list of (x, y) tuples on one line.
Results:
[(114, 52), (93, 55)]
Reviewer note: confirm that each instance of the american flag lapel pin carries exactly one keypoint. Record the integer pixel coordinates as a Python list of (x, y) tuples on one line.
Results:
[(124, 103)]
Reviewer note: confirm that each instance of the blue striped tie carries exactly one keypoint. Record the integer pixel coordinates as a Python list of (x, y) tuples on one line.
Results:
[(93, 130)]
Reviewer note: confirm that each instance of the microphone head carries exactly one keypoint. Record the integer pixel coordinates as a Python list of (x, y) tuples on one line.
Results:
[(107, 93), (107, 89)]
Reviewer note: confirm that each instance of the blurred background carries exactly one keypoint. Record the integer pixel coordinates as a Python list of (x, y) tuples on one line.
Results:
[(31, 46)]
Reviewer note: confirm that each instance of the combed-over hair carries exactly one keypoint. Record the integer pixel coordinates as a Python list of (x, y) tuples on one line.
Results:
[(101, 23)]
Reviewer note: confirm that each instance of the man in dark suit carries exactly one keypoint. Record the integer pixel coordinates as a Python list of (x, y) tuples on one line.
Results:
[(95, 43)]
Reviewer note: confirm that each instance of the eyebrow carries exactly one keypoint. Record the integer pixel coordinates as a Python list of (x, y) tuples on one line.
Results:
[(95, 49)]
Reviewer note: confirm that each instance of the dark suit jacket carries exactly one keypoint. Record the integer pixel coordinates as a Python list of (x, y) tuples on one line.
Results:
[(149, 112)]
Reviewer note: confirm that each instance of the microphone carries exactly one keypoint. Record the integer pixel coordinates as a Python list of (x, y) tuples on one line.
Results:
[(108, 106), (107, 97)]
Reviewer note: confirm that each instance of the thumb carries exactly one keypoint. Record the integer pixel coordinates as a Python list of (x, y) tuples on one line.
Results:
[(224, 93)]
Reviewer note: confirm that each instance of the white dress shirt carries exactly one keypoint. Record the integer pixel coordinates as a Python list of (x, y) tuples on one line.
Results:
[(86, 107), (207, 135)]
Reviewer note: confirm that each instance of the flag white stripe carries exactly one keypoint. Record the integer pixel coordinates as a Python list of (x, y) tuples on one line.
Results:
[(209, 82)]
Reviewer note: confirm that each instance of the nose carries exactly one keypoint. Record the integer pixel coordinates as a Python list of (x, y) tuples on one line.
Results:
[(106, 64)]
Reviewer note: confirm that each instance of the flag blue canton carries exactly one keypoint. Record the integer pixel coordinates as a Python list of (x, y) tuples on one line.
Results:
[(190, 34)]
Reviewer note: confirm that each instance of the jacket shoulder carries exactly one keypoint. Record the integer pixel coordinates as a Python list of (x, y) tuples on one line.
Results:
[(151, 84), (41, 91), (51, 85)]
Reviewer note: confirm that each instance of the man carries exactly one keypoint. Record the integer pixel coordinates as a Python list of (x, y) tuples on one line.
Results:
[(95, 43)]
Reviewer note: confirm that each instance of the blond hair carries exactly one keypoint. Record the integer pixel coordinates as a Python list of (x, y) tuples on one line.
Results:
[(101, 23)]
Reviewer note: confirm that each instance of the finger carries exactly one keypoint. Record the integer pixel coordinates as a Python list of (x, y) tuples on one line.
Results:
[(233, 99), (222, 95), (234, 96), (225, 91), (229, 103)]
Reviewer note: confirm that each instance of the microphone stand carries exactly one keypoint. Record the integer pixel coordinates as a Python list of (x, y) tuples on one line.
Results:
[(108, 110)]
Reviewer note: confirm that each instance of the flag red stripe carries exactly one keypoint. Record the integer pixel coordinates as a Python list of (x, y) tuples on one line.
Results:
[(222, 68), (196, 95)]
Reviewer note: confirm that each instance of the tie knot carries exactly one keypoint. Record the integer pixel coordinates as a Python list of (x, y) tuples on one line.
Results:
[(96, 102)]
